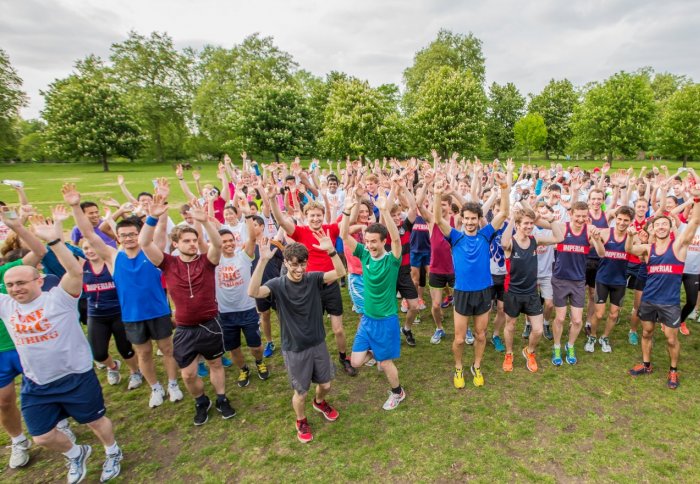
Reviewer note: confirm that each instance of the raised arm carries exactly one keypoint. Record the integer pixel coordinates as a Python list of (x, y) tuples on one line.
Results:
[(37, 249), (51, 231), (156, 208), (72, 197), (254, 288), (505, 183), (183, 184), (440, 222), (350, 211), (681, 244), (285, 222), (125, 190), (249, 245), (383, 206), (215, 243)]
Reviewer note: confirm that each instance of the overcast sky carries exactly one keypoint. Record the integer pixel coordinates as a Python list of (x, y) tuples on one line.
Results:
[(525, 42)]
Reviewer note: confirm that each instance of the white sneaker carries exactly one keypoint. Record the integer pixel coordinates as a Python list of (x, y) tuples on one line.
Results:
[(605, 343), (393, 401), (64, 428), (20, 454), (113, 376), (693, 315), (589, 347), (175, 393), (371, 362), (156, 400), (135, 381), (100, 366)]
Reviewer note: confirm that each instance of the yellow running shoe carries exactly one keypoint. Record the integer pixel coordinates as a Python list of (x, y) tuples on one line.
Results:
[(478, 377), (458, 378)]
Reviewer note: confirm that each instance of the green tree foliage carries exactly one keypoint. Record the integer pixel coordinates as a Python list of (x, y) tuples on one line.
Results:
[(449, 113), (530, 133), (679, 129), (87, 116), (556, 104), (12, 98), (505, 106), (458, 51), (615, 116), (32, 144), (158, 82)]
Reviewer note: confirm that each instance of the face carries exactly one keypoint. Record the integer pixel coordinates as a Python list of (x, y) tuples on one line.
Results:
[(371, 187), (595, 200), (670, 204), (525, 226), (463, 187), (661, 229), (258, 229), (445, 207), (89, 252), (315, 218), (554, 198), (93, 215), (229, 245), (374, 244), (23, 284), (470, 221), (332, 186), (677, 188), (622, 222), (640, 208), (187, 244), (396, 217), (253, 209), (145, 201), (363, 214), (579, 217), (230, 216), (295, 269), (128, 237), (187, 217)]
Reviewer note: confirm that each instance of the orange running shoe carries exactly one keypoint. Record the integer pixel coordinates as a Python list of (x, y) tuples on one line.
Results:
[(673, 380), (508, 362), (684, 329), (531, 362)]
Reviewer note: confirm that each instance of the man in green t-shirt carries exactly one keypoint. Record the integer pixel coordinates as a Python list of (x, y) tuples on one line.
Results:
[(379, 329)]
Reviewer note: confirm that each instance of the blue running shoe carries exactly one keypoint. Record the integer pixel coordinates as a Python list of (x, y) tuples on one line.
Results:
[(498, 344), (470, 337), (437, 336), (202, 370), (570, 354), (269, 349), (556, 356), (633, 338), (226, 362)]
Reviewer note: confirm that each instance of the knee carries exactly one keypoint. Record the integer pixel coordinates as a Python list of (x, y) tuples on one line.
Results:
[(325, 386), (167, 350), (614, 313), (576, 322), (435, 306), (480, 335), (536, 331), (7, 402), (215, 364), (648, 333)]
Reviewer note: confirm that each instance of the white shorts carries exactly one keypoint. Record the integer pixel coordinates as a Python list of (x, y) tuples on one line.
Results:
[(545, 285)]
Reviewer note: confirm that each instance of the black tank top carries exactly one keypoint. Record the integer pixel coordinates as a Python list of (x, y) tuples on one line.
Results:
[(522, 269)]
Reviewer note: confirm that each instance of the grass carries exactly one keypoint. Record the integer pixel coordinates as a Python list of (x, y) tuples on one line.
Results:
[(582, 423)]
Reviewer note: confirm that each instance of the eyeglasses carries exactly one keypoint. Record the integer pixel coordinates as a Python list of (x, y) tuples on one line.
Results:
[(297, 265), (128, 236), (19, 284)]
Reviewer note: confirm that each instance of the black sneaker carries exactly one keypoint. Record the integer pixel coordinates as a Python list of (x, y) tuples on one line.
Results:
[(201, 412), (263, 372), (548, 332), (225, 409), (408, 334), (348, 367), (526, 332)]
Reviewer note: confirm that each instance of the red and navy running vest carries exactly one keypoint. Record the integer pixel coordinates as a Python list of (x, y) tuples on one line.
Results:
[(612, 270), (601, 223), (665, 274), (570, 256)]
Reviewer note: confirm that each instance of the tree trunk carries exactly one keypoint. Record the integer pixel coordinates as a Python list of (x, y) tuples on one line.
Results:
[(685, 161), (277, 157), (105, 166), (159, 144), (610, 158), (546, 154)]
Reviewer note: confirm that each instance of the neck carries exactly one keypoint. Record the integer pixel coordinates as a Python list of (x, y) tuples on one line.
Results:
[(133, 252), (188, 258)]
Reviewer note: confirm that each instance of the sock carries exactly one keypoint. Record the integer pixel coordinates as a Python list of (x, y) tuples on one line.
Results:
[(245, 367), (63, 424), (258, 362), (112, 449), (156, 386), (172, 383), (556, 346), (397, 390), (20, 438), (202, 399), (647, 364), (73, 452), (546, 323), (113, 367), (406, 328), (673, 368), (343, 356), (220, 397)]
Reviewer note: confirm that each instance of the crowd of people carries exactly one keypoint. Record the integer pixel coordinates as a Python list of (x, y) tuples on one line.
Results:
[(529, 243)]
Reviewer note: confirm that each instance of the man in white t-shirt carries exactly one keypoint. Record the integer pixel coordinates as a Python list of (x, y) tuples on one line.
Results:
[(59, 380)]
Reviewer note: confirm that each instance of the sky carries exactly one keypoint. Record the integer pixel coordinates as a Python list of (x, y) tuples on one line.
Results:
[(526, 42)]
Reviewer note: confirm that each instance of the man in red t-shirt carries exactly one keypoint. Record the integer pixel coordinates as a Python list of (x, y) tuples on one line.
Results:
[(190, 279), (320, 262)]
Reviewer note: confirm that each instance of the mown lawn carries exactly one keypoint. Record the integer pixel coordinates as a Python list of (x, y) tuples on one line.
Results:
[(590, 422)]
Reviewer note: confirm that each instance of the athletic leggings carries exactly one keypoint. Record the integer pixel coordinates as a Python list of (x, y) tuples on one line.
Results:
[(691, 283), (101, 329)]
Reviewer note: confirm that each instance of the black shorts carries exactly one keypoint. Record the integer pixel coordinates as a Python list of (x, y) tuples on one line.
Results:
[(265, 303), (441, 281), (517, 304), (666, 314), (404, 284), (237, 322), (140, 332), (473, 303), (498, 286), (591, 271), (331, 300), (632, 272), (206, 339), (640, 283), (602, 291)]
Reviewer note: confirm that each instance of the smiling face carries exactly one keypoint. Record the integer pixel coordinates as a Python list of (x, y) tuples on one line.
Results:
[(470, 221), (23, 284), (374, 244), (662, 228), (228, 246), (230, 216), (295, 269), (363, 214), (525, 226), (89, 252), (579, 218), (315, 218), (595, 200), (622, 222), (640, 208), (93, 215), (128, 237)]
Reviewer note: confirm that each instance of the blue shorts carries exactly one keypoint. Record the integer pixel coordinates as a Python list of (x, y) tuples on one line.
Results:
[(356, 288), (78, 395), (10, 367), (234, 323), (419, 259), (382, 336)]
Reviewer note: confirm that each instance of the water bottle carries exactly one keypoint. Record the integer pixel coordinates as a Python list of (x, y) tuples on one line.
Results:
[(13, 183), (538, 186)]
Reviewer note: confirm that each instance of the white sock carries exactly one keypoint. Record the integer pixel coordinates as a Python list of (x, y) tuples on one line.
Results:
[(63, 424), (20, 438), (172, 383), (73, 452), (156, 386), (112, 449), (546, 323), (557, 346)]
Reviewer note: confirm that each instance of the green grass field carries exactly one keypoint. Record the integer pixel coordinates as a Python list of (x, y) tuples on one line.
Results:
[(589, 422)]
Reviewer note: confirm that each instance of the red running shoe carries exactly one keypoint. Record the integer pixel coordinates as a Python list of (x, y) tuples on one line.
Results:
[(684, 329), (329, 412), (673, 380), (304, 431)]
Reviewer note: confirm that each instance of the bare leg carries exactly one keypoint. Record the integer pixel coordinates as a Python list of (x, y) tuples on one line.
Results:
[(500, 320), (194, 384), (322, 390), (613, 314), (299, 404), (144, 354), (166, 347), (103, 429), (412, 313), (558, 324), (216, 375), (647, 337), (480, 323), (537, 323), (435, 309), (266, 326), (673, 345), (337, 326), (576, 324), (391, 372), (508, 332), (9, 413), (460, 334)]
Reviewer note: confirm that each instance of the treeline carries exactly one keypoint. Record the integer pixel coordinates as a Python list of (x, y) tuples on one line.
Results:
[(151, 101)]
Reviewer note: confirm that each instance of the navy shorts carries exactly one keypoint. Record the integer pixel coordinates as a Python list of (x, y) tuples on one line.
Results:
[(78, 395), (10, 367), (382, 336), (234, 323), (419, 259)]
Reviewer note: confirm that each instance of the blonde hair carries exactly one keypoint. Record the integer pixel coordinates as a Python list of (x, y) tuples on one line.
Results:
[(314, 205)]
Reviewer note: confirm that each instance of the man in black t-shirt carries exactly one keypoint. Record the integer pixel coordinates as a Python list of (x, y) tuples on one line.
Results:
[(298, 299)]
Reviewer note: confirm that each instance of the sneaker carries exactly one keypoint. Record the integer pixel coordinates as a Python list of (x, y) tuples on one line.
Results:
[(156, 400), (446, 302), (437, 336), (570, 354), (417, 320), (100, 366), (347, 366), (421, 305), (640, 369), (20, 454), (478, 377), (404, 306), (371, 362), (77, 468), (556, 356), (65, 430), (263, 372), (684, 330), (304, 432), (673, 380), (408, 334), (587, 328), (458, 378), (175, 393), (201, 412), (605, 343), (225, 409), (244, 377), (135, 381), (548, 332), (508, 362), (113, 375), (330, 413), (226, 362), (112, 466), (589, 347), (693, 315), (526, 331), (498, 344), (632, 338), (202, 370), (394, 399), (398, 295), (530, 360), (470, 337), (269, 349)]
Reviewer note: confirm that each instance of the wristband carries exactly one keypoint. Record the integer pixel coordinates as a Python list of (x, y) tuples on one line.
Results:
[(333, 254), (151, 221), (346, 214), (53, 242)]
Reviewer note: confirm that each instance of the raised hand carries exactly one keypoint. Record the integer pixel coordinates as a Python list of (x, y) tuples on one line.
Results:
[(70, 194), (59, 214), (196, 175), (350, 202), (243, 207), (178, 171), (163, 187), (44, 228), (120, 180), (381, 202), (158, 206), (9, 217), (197, 211), (110, 202), (325, 242), (266, 253)]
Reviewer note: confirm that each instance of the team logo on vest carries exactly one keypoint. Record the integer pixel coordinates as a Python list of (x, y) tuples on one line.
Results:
[(613, 254), (665, 269)]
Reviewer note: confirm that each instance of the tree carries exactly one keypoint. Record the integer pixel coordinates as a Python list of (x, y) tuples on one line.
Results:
[(32, 144), (158, 85), (505, 106), (679, 130), (458, 51), (87, 116), (449, 113), (12, 98), (616, 116), (530, 133), (556, 104)]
